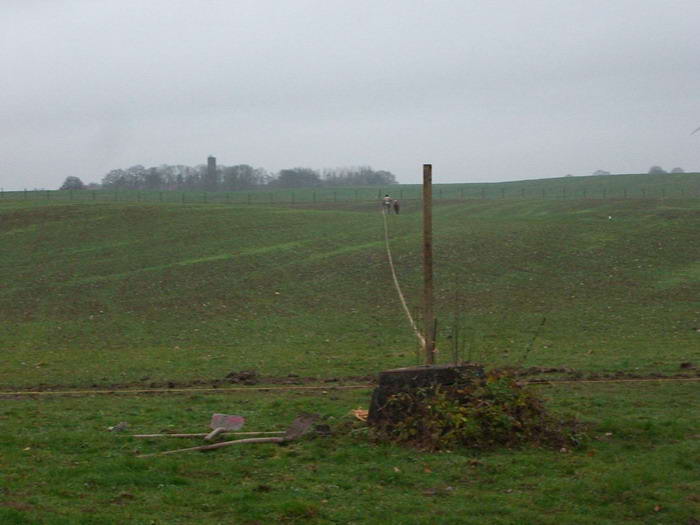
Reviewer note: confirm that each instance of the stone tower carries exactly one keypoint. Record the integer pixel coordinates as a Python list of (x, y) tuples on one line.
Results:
[(211, 167)]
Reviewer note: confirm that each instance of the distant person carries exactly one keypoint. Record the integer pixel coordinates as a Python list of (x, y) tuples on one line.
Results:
[(397, 206), (386, 203)]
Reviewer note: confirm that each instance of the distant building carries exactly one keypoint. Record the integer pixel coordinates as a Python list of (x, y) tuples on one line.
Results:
[(211, 167), (601, 172), (211, 177)]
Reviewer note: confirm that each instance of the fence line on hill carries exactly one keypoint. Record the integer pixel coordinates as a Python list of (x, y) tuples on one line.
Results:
[(340, 195)]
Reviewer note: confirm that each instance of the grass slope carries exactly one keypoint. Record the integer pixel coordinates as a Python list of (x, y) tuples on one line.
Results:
[(117, 292), (125, 292)]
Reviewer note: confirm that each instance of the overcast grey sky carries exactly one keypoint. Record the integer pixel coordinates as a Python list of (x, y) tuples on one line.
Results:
[(484, 90)]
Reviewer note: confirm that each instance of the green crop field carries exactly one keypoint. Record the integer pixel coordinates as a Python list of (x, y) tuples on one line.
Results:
[(97, 293)]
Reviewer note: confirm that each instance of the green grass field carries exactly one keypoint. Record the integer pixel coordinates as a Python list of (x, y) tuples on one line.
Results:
[(60, 465), (113, 293), (140, 293)]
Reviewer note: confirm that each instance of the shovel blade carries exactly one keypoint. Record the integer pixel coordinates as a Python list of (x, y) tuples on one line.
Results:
[(226, 422), (300, 426)]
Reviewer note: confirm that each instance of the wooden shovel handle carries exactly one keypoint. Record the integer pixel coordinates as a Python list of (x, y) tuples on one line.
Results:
[(211, 435), (217, 445), (203, 434)]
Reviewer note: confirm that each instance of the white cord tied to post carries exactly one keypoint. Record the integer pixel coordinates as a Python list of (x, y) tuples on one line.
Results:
[(420, 336)]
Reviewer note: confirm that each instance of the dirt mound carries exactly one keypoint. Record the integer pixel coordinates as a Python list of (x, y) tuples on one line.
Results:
[(483, 413), (245, 377)]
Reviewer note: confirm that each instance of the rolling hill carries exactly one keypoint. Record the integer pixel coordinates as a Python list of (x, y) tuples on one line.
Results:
[(97, 293)]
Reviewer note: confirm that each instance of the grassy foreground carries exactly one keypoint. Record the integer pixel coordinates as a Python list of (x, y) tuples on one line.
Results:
[(60, 465)]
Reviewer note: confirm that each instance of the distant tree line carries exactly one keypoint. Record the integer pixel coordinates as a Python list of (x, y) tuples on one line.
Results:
[(658, 170), (181, 177), (232, 178), (654, 170)]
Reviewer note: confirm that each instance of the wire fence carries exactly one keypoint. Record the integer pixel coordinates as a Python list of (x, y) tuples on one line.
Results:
[(328, 195)]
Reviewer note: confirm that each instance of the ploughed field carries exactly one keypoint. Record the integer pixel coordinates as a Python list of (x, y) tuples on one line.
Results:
[(113, 293)]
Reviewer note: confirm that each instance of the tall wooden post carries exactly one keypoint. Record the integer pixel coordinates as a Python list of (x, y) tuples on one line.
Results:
[(382, 412), (428, 315)]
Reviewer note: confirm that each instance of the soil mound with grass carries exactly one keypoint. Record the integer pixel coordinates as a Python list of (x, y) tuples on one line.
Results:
[(487, 412)]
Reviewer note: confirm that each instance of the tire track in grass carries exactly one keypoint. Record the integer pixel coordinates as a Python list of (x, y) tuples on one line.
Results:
[(325, 388)]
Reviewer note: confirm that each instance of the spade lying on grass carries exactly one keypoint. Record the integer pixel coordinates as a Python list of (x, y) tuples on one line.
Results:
[(298, 428)]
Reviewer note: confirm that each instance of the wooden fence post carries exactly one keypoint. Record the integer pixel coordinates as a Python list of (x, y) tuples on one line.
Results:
[(429, 320)]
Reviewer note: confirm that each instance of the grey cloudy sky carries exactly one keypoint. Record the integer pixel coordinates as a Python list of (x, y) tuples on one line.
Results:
[(484, 90)]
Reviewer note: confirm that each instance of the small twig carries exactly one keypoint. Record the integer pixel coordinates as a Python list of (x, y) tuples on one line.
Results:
[(217, 445)]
